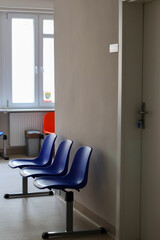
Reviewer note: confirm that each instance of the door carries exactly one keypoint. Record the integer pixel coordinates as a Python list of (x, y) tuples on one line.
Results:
[(138, 173), (150, 172)]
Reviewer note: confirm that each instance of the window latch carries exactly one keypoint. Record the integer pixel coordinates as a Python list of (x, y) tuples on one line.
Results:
[(36, 70)]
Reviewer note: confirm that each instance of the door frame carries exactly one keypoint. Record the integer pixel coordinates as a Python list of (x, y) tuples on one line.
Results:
[(119, 190), (126, 229)]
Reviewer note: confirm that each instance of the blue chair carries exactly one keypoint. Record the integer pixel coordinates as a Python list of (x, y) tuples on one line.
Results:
[(44, 159), (58, 167), (4, 153), (75, 179)]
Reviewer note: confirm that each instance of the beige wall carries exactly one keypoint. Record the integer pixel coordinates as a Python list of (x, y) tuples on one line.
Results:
[(86, 93), (27, 3)]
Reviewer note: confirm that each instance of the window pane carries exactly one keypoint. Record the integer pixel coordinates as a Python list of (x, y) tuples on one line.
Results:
[(23, 81), (48, 70), (48, 27)]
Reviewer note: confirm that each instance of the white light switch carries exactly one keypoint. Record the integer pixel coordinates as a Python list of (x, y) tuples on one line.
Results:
[(113, 48)]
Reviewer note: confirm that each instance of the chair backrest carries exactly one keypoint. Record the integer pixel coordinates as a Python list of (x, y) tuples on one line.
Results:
[(61, 159), (79, 168), (46, 153), (49, 123)]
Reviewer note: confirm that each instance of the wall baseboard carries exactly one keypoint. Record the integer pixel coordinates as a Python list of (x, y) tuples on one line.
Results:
[(95, 218), (15, 150), (89, 215)]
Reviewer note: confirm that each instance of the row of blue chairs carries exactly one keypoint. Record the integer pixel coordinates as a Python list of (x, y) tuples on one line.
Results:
[(53, 174)]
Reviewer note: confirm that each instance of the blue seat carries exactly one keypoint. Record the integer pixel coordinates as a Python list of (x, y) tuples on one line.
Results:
[(58, 167), (75, 179), (4, 153), (44, 159)]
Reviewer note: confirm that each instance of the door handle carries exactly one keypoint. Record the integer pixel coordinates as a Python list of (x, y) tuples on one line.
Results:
[(142, 112), (141, 122)]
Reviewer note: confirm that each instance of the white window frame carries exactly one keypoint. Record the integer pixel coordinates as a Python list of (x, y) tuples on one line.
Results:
[(41, 36), (38, 59)]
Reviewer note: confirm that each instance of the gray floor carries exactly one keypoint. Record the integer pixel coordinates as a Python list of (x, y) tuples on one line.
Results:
[(27, 219)]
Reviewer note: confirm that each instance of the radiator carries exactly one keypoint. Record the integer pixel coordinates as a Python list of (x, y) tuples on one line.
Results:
[(19, 122)]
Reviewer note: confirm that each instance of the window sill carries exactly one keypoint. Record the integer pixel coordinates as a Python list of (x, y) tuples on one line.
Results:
[(8, 110)]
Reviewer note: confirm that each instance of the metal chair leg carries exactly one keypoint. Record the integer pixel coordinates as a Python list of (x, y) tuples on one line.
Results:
[(69, 222), (4, 154)]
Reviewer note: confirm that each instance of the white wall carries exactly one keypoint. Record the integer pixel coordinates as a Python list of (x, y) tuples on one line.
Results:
[(86, 93)]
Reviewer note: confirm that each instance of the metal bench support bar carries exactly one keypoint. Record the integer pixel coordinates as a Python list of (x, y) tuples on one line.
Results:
[(69, 222), (25, 193)]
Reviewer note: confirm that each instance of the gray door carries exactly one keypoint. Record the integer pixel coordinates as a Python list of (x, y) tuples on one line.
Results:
[(139, 217), (150, 173)]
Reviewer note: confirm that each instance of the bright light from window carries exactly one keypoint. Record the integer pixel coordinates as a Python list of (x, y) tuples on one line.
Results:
[(48, 27), (48, 70), (23, 82)]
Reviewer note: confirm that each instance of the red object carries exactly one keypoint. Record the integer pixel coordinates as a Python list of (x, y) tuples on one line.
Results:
[(49, 123)]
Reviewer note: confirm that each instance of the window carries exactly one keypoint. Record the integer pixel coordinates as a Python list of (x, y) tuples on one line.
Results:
[(30, 60)]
